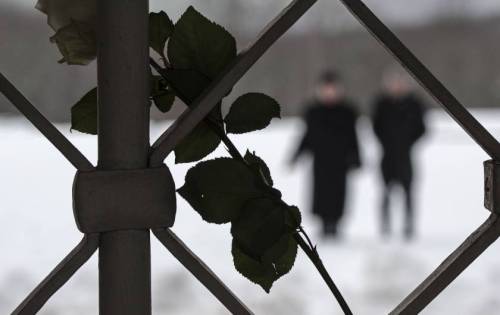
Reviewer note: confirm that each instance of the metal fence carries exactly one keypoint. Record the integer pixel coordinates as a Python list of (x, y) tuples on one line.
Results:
[(126, 162)]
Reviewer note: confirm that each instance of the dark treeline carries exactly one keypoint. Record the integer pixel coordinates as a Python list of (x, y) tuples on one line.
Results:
[(462, 53)]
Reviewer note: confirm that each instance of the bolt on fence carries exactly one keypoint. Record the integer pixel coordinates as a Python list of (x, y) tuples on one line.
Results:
[(126, 162)]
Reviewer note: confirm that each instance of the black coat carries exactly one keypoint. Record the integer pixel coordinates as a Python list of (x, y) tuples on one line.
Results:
[(331, 139), (398, 123)]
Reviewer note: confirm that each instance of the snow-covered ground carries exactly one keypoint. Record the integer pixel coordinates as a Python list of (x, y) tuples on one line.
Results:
[(37, 229)]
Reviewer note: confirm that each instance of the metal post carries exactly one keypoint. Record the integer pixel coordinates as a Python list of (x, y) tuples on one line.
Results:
[(123, 80)]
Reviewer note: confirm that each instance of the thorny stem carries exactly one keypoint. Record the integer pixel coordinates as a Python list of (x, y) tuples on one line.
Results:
[(301, 230), (306, 246), (233, 151), (313, 255)]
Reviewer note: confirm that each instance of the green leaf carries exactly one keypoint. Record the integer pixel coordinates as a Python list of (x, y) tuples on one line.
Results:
[(160, 29), (259, 166), (250, 112), (164, 100), (198, 144), (158, 85), (260, 226), (162, 96), (199, 44), (188, 84), (293, 217), (84, 113), (264, 273), (218, 189), (77, 43), (255, 271), (285, 263)]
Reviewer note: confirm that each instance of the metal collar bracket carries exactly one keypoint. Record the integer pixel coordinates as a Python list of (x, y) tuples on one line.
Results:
[(492, 186), (124, 199)]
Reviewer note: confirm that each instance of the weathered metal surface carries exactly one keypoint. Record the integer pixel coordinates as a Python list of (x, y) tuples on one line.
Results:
[(106, 201), (59, 276), (492, 186), (394, 45), (451, 268), (202, 106), (50, 132), (201, 271), (123, 140)]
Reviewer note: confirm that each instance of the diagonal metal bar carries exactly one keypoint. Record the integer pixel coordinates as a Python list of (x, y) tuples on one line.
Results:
[(451, 268), (201, 271), (72, 154), (223, 84), (59, 276), (392, 43)]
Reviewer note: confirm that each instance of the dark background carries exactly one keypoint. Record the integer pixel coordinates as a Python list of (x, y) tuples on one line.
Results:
[(458, 45)]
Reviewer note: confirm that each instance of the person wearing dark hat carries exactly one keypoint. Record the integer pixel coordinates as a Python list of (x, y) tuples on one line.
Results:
[(398, 122), (331, 139)]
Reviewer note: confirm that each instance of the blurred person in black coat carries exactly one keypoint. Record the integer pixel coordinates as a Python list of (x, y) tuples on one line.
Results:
[(331, 139), (398, 122)]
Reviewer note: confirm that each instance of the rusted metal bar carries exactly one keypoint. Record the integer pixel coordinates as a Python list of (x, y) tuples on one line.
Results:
[(451, 268), (392, 43), (201, 271), (59, 276), (224, 83), (123, 80), (105, 201), (72, 154)]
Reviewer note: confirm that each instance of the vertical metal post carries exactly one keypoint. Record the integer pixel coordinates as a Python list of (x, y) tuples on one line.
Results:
[(123, 80)]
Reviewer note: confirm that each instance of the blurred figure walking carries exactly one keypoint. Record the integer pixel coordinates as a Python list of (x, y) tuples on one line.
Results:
[(398, 122), (331, 139)]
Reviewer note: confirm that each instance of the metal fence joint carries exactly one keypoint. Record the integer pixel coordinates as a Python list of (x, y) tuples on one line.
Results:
[(112, 200), (492, 186)]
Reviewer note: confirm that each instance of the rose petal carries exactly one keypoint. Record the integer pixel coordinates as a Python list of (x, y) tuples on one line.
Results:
[(61, 12)]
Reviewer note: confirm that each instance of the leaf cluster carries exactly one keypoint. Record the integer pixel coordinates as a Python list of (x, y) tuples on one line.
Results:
[(198, 50), (194, 51), (76, 42), (228, 190), (238, 190)]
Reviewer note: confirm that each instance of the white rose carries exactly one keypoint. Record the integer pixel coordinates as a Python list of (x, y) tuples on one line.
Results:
[(74, 22), (60, 13)]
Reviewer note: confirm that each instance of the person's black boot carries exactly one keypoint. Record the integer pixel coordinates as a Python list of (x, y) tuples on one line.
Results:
[(385, 229), (409, 233), (331, 231)]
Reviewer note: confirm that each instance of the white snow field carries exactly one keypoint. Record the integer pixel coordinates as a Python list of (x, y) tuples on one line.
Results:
[(37, 229)]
